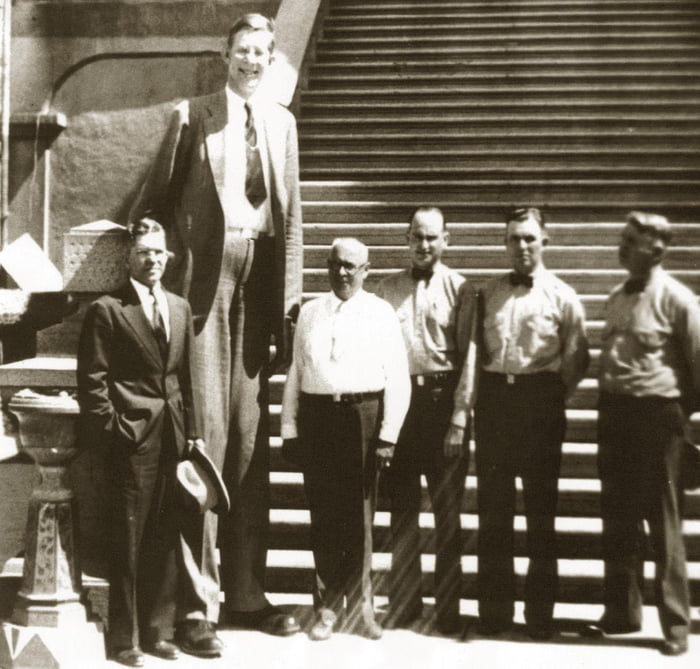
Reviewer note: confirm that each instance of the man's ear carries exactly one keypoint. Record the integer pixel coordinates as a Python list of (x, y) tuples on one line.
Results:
[(446, 238), (545, 240)]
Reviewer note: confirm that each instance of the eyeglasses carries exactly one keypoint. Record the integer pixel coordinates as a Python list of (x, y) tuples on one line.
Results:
[(350, 268)]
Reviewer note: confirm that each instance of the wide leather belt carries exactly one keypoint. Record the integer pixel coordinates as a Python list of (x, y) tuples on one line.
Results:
[(345, 398)]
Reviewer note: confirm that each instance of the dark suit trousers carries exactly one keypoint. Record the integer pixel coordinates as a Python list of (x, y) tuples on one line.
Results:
[(639, 457), (420, 451), (232, 354), (145, 551), (519, 430), (340, 486)]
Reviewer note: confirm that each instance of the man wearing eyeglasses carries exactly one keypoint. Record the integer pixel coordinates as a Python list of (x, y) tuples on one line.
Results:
[(435, 306), (346, 396), (533, 352)]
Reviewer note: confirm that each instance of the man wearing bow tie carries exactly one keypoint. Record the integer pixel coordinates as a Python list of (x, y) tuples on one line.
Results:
[(532, 354), (649, 385), (435, 306)]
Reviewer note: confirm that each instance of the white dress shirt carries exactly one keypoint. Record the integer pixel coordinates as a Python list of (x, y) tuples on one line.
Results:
[(238, 211), (350, 346), (527, 331), (146, 299)]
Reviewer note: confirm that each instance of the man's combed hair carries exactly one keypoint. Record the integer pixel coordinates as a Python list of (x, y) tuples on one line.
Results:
[(652, 224), (252, 21), (143, 226), (520, 214), (428, 209)]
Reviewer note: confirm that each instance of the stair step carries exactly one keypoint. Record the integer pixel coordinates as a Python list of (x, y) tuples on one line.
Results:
[(505, 139), (494, 257), (367, 8), (577, 497), (445, 16), (557, 76), (509, 63), (627, 193), (507, 173), (478, 233), (580, 580), (570, 210), (582, 281)]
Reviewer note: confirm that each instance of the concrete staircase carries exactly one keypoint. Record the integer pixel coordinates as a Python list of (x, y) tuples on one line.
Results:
[(587, 109)]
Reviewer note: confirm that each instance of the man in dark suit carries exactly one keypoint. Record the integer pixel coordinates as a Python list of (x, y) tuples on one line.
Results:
[(135, 394), (225, 185)]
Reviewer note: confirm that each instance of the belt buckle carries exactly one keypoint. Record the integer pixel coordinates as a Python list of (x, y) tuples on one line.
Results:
[(420, 380), (337, 397), (510, 379)]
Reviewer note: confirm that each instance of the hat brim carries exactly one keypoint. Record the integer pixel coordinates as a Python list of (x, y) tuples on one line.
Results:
[(205, 468)]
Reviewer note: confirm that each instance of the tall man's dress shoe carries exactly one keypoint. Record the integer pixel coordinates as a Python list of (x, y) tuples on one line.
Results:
[(198, 637), (166, 650), (674, 648), (603, 627), (270, 620), (131, 657)]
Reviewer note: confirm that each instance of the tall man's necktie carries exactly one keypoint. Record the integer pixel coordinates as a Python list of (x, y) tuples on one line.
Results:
[(254, 178), (159, 328)]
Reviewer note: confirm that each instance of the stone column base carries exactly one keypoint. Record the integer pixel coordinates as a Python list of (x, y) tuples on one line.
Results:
[(65, 647)]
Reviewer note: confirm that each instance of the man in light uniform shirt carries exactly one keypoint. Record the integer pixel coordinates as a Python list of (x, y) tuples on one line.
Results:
[(345, 399), (649, 384), (533, 354), (435, 307)]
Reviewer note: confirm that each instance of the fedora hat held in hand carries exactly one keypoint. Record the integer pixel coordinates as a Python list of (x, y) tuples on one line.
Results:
[(201, 480)]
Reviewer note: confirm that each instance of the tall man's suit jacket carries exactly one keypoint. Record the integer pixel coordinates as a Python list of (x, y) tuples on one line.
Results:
[(184, 192), (138, 405)]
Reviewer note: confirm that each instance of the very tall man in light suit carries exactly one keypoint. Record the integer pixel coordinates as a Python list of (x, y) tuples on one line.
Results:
[(225, 184)]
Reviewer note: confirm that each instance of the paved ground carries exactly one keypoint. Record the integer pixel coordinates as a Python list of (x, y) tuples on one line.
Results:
[(420, 649)]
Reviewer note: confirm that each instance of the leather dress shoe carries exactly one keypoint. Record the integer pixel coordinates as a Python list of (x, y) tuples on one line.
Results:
[(323, 627), (674, 647), (198, 637), (270, 620), (371, 630), (603, 627), (166, 650), (131, 657)]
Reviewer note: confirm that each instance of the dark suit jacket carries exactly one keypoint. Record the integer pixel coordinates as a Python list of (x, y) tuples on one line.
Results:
[(124, 388), (184, 189)]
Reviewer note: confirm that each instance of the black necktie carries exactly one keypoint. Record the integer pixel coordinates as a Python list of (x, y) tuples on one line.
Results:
[(254, 178), (634, 286), (425, 274), (159, 328), (518, 279)]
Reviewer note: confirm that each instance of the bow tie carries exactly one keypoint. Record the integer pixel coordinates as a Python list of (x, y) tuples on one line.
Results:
[(635, 286), (517, 279), (419, 274)]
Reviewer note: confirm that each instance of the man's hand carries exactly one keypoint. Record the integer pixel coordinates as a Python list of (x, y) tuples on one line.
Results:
[(384, 451), (453, 446)]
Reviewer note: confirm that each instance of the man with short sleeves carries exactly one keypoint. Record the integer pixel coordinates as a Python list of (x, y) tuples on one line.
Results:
[(649, 385), (345, 399), (533, 353), (435, 306)]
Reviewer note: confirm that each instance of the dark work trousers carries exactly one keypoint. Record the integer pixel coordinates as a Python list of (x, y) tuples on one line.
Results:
[(340, 484), (639, 456), (231, 376), (148, 511), (420, 451), (519, 430)]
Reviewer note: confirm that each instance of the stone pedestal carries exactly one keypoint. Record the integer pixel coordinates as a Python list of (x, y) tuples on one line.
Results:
[(49, 626)]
